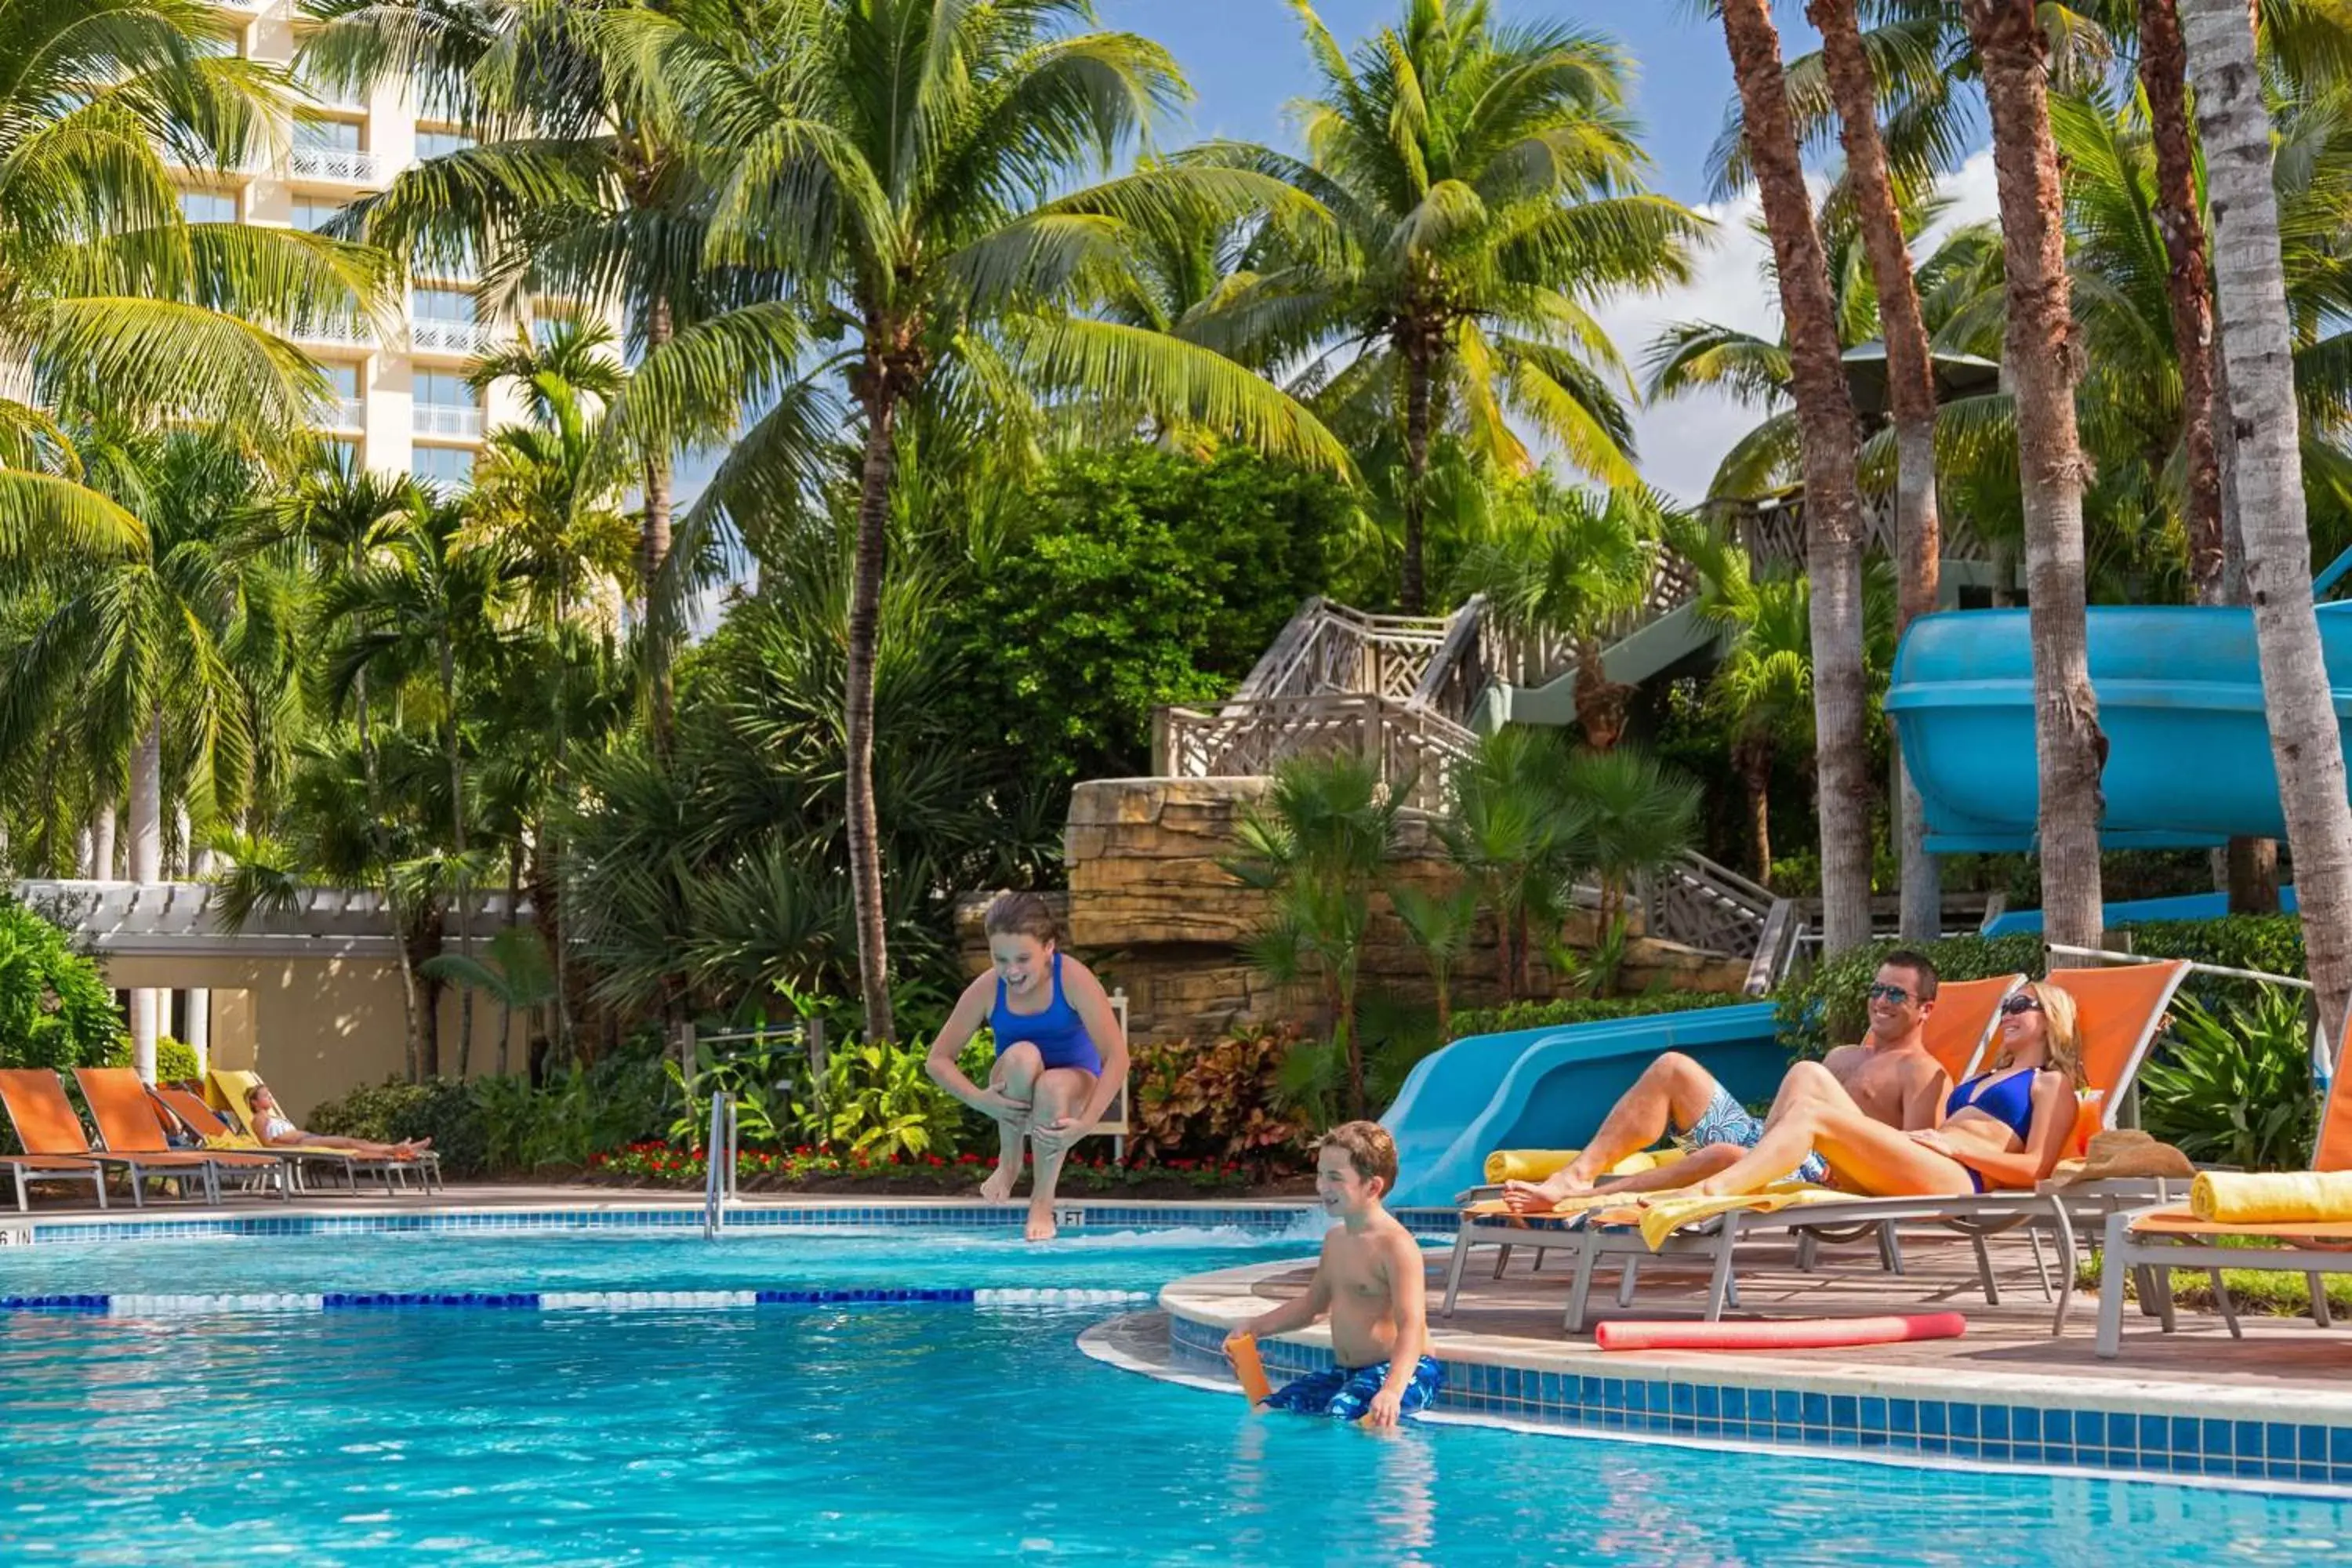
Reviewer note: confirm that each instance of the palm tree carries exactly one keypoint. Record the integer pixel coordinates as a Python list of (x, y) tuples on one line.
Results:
[(1566, 562), (416, 611), (113, 301), (2257, 344), (1443, 923), (1476, 188), (1631, 817), (1508, 831), (1911, 386), (1318, 845), (1833, 525), (161, 654), (578, 187), (892, 165), (2042, 359)]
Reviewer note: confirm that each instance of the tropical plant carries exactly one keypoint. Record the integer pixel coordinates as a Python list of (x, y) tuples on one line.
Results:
[(2233, 1084), (1832, 448), (1568, 563), (56, 1010), (1629, 816), (514, 973), (1443, 923), (1316, 846), (877, 1100), (1508, 832), (1222, 1103), (1474, 189)]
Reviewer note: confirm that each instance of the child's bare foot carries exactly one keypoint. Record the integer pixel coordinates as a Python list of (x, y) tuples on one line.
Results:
[(1041, 1223), (998, 1188)]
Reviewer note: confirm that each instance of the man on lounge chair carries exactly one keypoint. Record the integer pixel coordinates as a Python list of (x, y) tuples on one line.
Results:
[(1890, 1076)]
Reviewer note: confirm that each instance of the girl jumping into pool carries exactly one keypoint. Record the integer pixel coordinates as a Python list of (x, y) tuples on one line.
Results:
[(1061, 1057)]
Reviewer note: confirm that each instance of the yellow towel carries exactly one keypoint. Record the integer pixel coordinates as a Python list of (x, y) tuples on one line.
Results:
[(1535, 1165), (2222, 1197), (234, 1142), (1667, 1213)]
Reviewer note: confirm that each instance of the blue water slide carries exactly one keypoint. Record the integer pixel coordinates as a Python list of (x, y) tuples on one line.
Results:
[(2181, 701), (1548, 1089)]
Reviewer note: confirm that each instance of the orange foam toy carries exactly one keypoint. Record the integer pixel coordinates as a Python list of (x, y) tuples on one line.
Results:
[(1249, 1367)]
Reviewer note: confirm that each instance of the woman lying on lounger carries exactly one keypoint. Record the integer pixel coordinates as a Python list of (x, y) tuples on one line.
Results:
[(2006, 1127), (273, 1127)]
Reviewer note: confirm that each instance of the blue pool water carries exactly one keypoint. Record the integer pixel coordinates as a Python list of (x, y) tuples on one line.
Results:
[(896, 1435)]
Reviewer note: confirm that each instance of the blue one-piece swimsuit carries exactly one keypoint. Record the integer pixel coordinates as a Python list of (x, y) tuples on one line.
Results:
[(1059, 1035)]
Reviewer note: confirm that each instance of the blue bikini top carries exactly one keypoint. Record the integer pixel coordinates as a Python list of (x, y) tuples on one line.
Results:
[(2008, 1099)]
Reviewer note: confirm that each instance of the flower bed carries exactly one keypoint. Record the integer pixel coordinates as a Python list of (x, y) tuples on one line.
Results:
[(816, 1170)]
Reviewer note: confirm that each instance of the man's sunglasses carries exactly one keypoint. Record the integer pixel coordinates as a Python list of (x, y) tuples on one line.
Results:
[(1881, 992), (2024, 1002)]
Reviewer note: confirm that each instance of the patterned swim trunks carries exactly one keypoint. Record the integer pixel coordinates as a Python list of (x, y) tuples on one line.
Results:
[(1726, 1121), (1347, 1391)]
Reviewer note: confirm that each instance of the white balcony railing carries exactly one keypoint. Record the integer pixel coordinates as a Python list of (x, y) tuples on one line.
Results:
[(351, 414), (344, 331), (443, 337), (337, 165), (447, 419)]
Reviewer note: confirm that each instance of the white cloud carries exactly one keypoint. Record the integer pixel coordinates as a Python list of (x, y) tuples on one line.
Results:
[(1682, 441)]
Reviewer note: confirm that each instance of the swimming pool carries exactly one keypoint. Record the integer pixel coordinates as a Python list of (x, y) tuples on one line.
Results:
[(877, 1434)]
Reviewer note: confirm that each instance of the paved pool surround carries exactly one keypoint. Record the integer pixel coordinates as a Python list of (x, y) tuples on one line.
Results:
[(2268, 1437)]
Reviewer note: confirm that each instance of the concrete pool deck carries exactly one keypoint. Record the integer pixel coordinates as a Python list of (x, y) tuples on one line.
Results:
[(2275, 1409)]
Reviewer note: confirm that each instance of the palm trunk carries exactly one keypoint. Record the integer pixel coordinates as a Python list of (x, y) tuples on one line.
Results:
[(410, 1008), (1911, 393), (1412, 591), (2251, 865), (145, 856), (865, 631), (2040, 356), (653, 551), (461, 897), (514, 922), (1753, 758), (102, 839), (1834, 521), (2163, 76), (2256, 337)]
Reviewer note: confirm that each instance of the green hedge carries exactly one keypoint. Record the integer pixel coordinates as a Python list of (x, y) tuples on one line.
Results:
[(174, 1062), (1827, 1007), (55, 1008), (1564, 1010), (443, 1109)]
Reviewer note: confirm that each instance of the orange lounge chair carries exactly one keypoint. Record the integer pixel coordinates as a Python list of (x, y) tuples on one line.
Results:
[(1963, 1019), (2152, 1242), (2120, 1012), (128, 1124), (46, 1125)]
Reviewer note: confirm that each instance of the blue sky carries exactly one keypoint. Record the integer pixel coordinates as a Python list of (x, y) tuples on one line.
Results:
[(1246, 62)]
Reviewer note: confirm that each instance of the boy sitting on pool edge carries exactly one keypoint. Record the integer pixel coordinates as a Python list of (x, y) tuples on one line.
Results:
[(1369, 1282)]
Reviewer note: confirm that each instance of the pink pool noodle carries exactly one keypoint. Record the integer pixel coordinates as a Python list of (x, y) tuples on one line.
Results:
[(1806, 1333)]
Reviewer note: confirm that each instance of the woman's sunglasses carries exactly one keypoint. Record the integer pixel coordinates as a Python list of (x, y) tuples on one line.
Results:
[(2024, 1002)]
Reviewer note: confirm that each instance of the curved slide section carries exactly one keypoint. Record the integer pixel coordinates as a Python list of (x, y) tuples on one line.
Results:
[(1549, 1088), (2180, 699)]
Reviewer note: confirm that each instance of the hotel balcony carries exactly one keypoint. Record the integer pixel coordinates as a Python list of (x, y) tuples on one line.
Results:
[(446, 421)]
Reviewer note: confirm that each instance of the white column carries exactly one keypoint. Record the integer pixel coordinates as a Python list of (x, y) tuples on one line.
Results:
[(200, 1029), (146, 866), (142, 1033)]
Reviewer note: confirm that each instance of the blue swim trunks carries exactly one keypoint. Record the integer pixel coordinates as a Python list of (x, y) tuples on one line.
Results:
[(1726, 1121), (1347, 1391)]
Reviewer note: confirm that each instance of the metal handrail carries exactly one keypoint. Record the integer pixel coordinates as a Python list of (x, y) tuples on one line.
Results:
[(715, 1184)]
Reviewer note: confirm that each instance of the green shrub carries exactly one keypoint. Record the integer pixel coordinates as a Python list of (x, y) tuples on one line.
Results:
[(2231, 1085), (880, 1102), (1564, 1010), (575, 1115), (174, 1062), (1826, 1007), (443, 1109), (1222, 1103), (55, 1008)]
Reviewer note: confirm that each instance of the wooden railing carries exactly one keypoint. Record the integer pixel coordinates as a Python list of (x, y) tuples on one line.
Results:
[(1414, 749), (1774, 535)]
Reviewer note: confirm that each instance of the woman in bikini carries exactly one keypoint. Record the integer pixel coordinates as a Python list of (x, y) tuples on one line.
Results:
[(273, 1127), (2005, 1128), (1060, 1055)]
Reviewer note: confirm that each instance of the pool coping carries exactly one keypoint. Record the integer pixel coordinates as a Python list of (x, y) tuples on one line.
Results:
[(2299, 1439)]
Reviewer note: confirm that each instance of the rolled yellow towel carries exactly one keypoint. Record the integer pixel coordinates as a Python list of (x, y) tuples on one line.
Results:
[(1535, 1165), (2225, 1197)]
